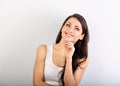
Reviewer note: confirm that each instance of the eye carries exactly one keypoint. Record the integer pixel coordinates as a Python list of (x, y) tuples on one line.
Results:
[(68, 25), (77, 29)]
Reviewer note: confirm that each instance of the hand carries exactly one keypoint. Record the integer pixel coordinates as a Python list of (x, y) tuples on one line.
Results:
[(69, 50)]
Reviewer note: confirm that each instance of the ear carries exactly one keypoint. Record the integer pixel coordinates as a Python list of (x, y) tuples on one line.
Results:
[(81, 36)]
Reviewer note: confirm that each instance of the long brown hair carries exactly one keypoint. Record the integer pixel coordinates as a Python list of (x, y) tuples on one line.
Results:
[(81, 46)]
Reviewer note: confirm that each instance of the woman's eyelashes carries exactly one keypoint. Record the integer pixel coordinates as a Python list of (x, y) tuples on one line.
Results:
[(77, 28), (70, 25)]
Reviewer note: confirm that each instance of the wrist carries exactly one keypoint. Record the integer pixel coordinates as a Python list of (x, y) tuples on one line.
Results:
[(68, 59)]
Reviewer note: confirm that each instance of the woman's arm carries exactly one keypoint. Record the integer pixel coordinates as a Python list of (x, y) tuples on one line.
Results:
[(70, 78), (38, 72)]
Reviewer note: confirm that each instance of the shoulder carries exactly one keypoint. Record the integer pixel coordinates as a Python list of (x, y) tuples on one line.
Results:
[(85, 63), (42, 47), (80, 70), (41, 51)]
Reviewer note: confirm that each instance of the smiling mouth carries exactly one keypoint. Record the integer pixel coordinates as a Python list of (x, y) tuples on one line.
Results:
[(68, 35)]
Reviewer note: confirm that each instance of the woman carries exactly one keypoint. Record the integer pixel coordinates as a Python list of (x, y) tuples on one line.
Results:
[(64, 62)]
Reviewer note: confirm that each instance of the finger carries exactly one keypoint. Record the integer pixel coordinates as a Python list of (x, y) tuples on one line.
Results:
[(69, 45)]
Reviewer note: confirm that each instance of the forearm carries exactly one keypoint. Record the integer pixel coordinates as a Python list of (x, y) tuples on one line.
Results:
[(68, 76)]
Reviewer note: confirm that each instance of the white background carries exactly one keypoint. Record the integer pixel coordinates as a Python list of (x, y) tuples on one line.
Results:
[(25, 24)]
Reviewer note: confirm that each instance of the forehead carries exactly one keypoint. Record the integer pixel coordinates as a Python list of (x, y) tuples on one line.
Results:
[(73, 21)]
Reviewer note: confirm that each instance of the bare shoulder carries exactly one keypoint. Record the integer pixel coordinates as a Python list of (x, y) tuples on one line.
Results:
[(80, 70), (85, 63), (41, 51), (42, 46)]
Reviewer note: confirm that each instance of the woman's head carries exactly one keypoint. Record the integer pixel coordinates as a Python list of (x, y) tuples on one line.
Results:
[(75, 29), (74, 25)]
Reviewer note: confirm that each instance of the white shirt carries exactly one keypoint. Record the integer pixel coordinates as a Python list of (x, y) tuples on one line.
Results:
[(52, 72)]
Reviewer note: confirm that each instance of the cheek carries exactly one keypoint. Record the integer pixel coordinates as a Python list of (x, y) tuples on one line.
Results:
[(77, 35), (63, 29)]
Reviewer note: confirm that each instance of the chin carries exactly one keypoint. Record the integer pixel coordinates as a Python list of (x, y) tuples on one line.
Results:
[(68, 40)]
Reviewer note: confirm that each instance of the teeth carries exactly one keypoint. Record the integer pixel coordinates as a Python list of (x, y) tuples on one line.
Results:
[(69, 35)]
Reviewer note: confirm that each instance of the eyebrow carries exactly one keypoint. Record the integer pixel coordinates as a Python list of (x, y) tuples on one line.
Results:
[(68, 22), (75, 25)]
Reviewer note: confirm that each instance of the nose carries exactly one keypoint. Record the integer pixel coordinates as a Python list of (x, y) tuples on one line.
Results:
[(71, 30)]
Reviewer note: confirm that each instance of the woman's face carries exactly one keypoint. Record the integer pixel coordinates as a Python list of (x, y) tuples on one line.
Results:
[(72, 30)]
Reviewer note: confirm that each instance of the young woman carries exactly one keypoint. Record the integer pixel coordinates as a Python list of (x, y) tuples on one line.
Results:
[(64, 62)]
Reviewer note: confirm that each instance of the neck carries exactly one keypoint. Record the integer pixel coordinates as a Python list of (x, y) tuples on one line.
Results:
[(61, 45)]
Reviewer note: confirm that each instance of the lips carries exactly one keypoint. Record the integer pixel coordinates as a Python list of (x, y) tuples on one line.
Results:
[(68, 35)]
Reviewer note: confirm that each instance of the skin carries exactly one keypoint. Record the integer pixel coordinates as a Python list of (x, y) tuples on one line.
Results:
[(62, 52)]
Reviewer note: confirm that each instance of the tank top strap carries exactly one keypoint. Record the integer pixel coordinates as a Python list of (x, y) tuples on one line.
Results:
[(49, 52)]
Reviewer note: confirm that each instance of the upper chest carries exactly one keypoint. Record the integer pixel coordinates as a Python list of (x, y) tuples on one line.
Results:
[(58, 58)]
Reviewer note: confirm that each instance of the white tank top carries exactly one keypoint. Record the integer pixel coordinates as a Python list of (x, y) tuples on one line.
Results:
[(51, 72)]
